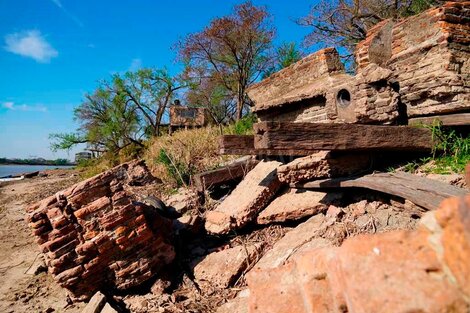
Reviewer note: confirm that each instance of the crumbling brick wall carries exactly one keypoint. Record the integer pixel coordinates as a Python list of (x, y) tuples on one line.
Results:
[(429, 56), (94, 234), (415, 67)]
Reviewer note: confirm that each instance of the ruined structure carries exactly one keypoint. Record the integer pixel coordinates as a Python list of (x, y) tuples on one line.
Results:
[(187, 117), (413, 68), (94, 234)]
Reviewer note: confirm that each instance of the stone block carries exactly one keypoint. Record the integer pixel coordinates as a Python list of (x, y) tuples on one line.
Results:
[(295, 204), (245, 202)]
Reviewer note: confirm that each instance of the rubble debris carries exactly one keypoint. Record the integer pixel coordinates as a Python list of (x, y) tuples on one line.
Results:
[(96, 303), (248, 198), (239, 304), (429, 260), (184, 200), (189, 222), (93, 234), (324, 164), (108, 309), (221, 269), (159, 286), (424, 192), (233, 171), (303, 236), (295, 204)]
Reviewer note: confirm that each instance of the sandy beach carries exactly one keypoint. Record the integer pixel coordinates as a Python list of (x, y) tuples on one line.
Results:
[(21, 290)]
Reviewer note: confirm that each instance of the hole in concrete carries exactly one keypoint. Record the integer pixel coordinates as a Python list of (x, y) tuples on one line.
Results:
[(343, 98)]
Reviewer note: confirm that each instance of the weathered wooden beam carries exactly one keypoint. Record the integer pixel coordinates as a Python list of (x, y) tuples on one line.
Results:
[(460, 119), (244, 145), (345, 137), (230, 172), (422, 191)]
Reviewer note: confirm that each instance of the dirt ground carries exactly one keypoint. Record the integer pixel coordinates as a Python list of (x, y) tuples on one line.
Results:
[(19, 290)]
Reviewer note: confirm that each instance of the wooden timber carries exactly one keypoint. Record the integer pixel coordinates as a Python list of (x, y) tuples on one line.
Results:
[(460, 119), (340, 137), (422, 191), (244, 145), (230, 172)]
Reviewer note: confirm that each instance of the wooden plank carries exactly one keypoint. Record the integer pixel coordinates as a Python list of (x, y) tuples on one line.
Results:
[(422, 191), (244, 145), (340, 137), (460, 119), (230, 172)]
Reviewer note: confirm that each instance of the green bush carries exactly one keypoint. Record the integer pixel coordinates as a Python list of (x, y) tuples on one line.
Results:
[(242, 127)]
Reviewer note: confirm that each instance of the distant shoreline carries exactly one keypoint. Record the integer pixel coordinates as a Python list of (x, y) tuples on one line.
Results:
[(41, 164)]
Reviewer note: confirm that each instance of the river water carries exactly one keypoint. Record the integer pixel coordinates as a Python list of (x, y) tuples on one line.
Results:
[(6, 170)]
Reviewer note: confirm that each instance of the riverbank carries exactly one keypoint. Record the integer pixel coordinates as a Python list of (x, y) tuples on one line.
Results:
[(21, 290), (16, 170)]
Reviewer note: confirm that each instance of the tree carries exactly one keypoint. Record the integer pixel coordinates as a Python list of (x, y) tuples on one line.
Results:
[(107, 123), (344, 23), (214, 97), (235, 50), (151, 91), (122, 111), (286, 54)]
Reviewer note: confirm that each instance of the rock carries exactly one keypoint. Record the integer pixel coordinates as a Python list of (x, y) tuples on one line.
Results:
[(334, 212), (239, 304), (95, 230), (323, 164), (158, 288), (295, 204), (248, 198), (184, 200), (304, 236), (137, 173), (95, 304), (108, 309), (450, 236), (403, 267), (221, 269), (297, 286), (190, 222), (38, 266), (451, 179)]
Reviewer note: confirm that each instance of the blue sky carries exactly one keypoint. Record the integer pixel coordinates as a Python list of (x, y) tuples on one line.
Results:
[(54, 51)]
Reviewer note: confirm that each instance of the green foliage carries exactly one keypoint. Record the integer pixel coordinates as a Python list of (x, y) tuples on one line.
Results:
[(64, 141), (175, 158), (286, 54), (452, 150), (243, 127), (36, 161), (175, 168), (450, 154)]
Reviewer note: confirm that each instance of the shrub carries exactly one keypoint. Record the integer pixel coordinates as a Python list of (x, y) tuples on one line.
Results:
[(175, 158)]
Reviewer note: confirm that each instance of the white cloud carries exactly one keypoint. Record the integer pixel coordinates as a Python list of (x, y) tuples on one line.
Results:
[(30, 44), (23, 107), (136, 64)]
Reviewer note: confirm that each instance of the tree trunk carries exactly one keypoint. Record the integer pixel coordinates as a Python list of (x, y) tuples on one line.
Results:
[(240, 102)]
